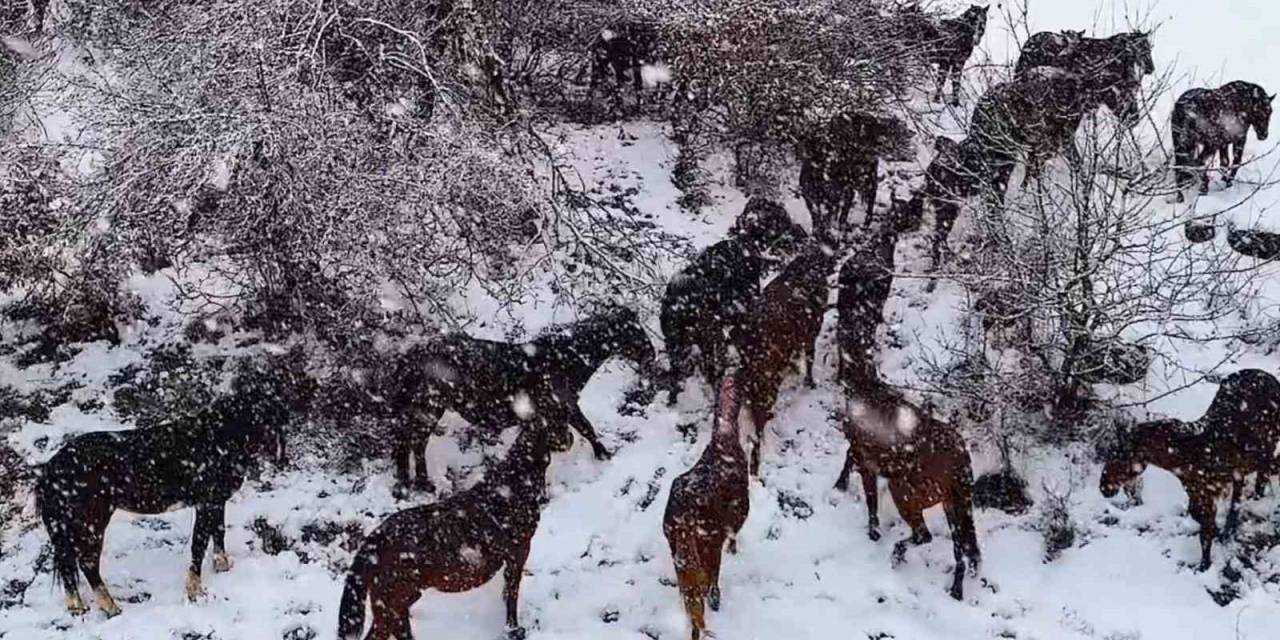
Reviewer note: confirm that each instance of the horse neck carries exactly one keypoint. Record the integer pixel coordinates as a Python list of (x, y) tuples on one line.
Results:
[(522, 477), (576, 357), (1164, 448)]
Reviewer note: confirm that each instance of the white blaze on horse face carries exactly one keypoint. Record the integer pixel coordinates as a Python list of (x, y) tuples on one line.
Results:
[(523, 407)]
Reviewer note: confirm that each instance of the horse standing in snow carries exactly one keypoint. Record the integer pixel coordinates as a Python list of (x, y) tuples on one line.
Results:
[(622, 48), (454, 545), (199, 464), (707, 507), (496, 384), (839, 163), (707, 301), (957, 172), (1037, 116), (863, 285), (783, 325), (926, 463), (1209, 122), (1071, 51), (950, 45), (1238, 435)]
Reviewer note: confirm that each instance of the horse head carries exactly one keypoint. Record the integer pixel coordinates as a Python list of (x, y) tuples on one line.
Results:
[(1123, 467), (1258, 111), (976, 17)]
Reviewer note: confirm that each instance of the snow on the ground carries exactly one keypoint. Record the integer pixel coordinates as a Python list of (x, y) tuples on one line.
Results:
[(600, 567)]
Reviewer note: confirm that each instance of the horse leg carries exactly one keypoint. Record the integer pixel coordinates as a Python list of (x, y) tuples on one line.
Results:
[(760, 413), (583, 426), (418, 452), (1202, 510), (1233, 510), (89, 553), (692, 581), (870, 185), (943, 72), (678, 363), (871, 492), (512, 572), (842, 482), (1206, 155), (390, 615), (944, 218), (1238, 149), (810, 354), (221, 561), (957, 72), (919, 532), (713, 558), (200, 536)]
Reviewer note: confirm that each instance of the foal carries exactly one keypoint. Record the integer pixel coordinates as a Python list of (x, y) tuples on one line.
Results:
[(456, 544), (1214, 122), (706, 508), (199, 464), (926, 462), (708, 300), (783, 325)]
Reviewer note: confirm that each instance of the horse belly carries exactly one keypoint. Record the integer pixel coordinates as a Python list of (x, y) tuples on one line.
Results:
[(471, 568)]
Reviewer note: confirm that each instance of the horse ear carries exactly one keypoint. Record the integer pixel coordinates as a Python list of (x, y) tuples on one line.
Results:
[(1271, 98)]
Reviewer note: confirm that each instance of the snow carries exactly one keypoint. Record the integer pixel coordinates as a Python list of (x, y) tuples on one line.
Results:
[(600, 567)]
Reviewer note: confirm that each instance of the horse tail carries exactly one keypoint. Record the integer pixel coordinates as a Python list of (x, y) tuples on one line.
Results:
[(354, 590), (54, 512)]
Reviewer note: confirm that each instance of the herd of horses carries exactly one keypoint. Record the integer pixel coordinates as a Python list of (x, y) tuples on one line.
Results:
[(715, 308)]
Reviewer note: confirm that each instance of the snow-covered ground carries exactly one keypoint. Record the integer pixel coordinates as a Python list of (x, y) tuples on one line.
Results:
[(600, 567)]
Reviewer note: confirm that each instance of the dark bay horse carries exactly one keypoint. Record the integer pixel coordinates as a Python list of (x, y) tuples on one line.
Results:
[(951, 45), (839, 164), (957, 172), (623, 48), (1215, 122), (707, 507), (707, 301), (199, 464), (1037, 116), (926, 463), (1238, 435), (456, 544), (781, 327), (1071, 51), (864, 283), (492, 384)]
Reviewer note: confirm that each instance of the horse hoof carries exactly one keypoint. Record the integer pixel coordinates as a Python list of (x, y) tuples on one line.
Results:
[(874, 534), (195, 590), (956, 594), (841, 486), (516, 633), (222, 563), (76, 606), (107, 603), (424, 485), (602, 454)]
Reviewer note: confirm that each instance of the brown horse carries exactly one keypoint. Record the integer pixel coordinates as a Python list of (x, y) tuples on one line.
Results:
[(456, 544), (707, 507), (926, 462), (1238, 435), (782, 325)]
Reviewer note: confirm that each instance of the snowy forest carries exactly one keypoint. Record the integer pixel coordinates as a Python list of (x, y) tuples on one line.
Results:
[(639, 319)]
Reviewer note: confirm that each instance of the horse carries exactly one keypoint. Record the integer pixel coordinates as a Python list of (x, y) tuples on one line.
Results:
[(863, 287), (1209, 122), (1237, 435), (492, 383), (839, 163), (1037, 116), (456, 544), (623, 47), (951, 44), (708, 299), (1071, 51), (199, 463), (707, 506), (956, 173), (781, 326), (926, 463)]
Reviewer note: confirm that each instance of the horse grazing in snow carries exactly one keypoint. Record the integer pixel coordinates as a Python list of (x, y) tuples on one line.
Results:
[(456, 544), (706, 508), (495, 384), (1239, 434), (199, 463), (926, 463), (1215, 122)]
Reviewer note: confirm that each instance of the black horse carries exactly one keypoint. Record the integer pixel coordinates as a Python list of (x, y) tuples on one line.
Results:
[(454, 545), (494, 384), (199, 463), (708, 300), (623, 48), (839, 163), (1209, 122), (1037, 116), (951, 43), (1071, 51), (957, 172)]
